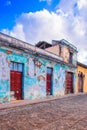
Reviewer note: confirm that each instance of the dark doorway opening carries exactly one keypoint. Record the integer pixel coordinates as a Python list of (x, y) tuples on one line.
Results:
[(49, 81)]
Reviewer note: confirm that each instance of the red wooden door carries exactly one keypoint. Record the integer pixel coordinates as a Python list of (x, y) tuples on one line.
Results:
[(49, 81), (48, 88), (69, 82), (16, 84)]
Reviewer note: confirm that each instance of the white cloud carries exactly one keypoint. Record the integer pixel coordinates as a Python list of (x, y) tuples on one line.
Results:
[(68, 22), (41, 25), (82, 4), (82, 55), (16, 32)]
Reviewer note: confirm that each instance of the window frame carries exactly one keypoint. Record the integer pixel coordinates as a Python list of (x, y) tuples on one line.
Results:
[(15, 66), (71, 57)]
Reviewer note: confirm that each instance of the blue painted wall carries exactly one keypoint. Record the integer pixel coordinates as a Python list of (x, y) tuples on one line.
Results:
[(34, 75)]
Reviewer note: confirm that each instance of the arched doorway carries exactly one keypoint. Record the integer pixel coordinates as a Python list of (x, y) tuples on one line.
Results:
[(80, 81)]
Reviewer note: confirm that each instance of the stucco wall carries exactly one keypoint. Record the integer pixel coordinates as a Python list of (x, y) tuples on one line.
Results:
[(53, 49), (65, 53), (4, 77), (59, 75), (34, 75)]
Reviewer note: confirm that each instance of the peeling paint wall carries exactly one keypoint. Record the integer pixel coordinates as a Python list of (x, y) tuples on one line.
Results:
[(34, 68), (4, 77), (34, 75), (59, 79), (75, 58), (65, 53), (54, 49), (35, 79)]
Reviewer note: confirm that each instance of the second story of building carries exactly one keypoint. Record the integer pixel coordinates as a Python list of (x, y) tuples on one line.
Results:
[(65, 50)]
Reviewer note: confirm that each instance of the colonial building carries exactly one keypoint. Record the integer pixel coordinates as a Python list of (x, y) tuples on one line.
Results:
[(68, 52), (29, 72)]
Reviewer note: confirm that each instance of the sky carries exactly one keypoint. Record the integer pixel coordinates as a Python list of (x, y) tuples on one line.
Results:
[(46, 20)]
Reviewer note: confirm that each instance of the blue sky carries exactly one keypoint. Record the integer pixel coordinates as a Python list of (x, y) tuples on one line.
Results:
[(38, 20), (10, 10)]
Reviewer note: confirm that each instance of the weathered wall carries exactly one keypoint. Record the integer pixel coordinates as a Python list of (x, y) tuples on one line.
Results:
[(34, 75), (53, 49), (35, 79), (4, 77), (59, 78), (65, 53), (36, 85), (74, 61)]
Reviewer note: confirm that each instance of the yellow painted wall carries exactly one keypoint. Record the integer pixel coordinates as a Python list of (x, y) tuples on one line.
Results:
[(84, 71)]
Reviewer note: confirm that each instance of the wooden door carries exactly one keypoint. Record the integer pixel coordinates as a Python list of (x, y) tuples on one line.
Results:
[(16, 84), (49, 81), (69, 82), (80, 82)]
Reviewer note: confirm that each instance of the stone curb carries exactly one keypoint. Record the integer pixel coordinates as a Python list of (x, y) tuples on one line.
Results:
[(20, 103)]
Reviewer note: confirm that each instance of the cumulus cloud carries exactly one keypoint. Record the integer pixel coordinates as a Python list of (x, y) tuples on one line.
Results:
[(16, 32), (82, 4), (67, 22), (41, 25), (82, 55)]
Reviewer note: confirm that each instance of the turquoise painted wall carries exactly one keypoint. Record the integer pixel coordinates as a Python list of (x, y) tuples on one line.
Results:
[(4, 78), (34, 75), (59, 79)]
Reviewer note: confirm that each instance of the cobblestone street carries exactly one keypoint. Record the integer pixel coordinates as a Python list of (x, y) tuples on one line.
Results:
[(69, 113)]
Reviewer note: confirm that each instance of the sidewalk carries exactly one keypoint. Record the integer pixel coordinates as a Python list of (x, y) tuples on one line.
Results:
[(19, 103)]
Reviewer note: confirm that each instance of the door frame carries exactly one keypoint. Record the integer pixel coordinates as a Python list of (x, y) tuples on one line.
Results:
[(72, 89), (22, 90)]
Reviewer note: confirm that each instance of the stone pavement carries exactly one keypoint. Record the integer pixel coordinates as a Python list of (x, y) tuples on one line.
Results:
[(65, 113)]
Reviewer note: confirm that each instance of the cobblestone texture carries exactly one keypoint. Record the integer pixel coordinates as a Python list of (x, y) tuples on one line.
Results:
[(62, 114)]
